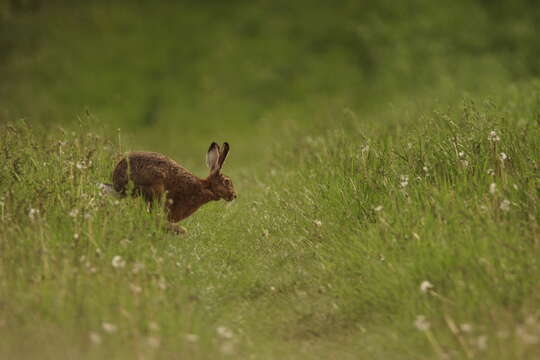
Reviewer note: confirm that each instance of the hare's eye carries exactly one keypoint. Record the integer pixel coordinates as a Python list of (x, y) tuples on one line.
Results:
[(227, 182)]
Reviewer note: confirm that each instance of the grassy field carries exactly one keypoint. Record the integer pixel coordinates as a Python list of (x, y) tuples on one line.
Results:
[(385, 157)]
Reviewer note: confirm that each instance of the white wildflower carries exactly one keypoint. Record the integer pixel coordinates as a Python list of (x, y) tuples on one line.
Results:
[(76, 236), (421, 323), (404, 180), (192, 338), (491, 172), (426, 286), (492, 188), (503, 156), (378, 208), (505, 205), (466, 327), (461, 154), (224, 332), (33, 214), (318, 223), (365, 148), (95, 338), (109, 328), (425, 168), (73, 213), (118, 262), (493, 136)]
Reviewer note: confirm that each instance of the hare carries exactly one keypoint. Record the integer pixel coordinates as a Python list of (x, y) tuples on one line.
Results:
[(155, 176)]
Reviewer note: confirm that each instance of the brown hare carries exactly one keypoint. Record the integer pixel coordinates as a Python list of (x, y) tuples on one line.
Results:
[(155, 176)]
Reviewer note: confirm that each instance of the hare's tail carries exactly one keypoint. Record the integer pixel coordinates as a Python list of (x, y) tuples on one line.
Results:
[(108, 189)]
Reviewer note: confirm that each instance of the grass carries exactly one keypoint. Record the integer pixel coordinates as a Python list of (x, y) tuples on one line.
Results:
[(323, 256), (401, 153)]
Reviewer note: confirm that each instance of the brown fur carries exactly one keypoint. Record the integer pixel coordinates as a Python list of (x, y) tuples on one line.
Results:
[(155, 177)]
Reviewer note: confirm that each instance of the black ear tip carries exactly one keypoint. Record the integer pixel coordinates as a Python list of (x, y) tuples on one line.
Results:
[(213, 145), (226, 144)]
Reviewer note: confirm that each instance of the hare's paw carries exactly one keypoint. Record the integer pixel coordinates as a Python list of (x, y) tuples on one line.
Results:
[(176, 229)]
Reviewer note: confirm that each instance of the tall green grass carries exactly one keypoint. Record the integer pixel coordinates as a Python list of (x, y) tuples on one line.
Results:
[(385, 156), (321, 256)]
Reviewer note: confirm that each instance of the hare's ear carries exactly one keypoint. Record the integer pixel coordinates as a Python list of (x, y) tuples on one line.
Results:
[(223, 154), (212, 157)]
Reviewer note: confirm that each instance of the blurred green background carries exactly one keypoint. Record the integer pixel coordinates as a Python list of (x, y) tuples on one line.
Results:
[(176, 75), (352, 189)]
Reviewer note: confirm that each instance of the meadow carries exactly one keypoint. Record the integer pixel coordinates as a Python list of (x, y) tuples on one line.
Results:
[(385, 157)]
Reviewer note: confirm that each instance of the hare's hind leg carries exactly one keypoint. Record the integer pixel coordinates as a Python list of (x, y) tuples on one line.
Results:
[(175, 228), (150, 193)]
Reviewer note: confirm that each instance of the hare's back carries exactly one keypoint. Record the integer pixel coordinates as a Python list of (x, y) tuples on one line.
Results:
[(144, 159), (145, 168)]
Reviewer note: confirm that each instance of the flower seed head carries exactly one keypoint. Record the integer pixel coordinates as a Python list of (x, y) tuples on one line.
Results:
[(493, 136), (224, 332), (426, 286), (421, 323), (505, 205), (109, 328), (118, 262), (404, 180)]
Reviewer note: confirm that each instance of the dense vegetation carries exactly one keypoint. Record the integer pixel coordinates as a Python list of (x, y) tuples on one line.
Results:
[(385, 156)]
